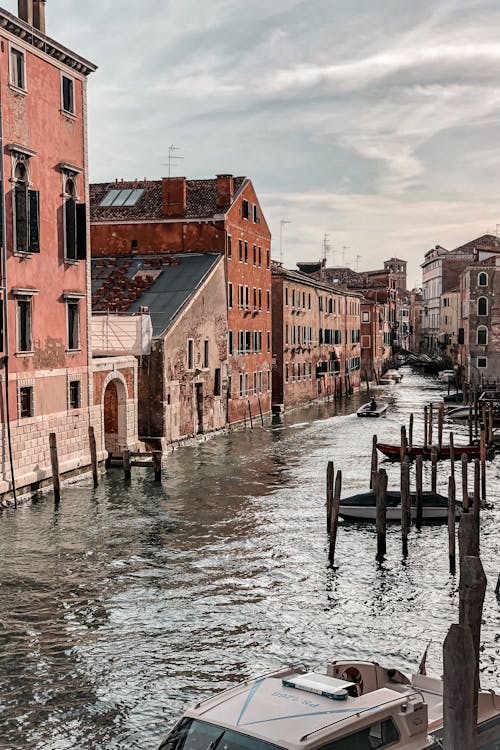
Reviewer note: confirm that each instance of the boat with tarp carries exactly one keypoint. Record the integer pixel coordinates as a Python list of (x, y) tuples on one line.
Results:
[(363, 506)]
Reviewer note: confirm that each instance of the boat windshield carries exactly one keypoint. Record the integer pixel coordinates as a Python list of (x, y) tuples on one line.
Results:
[(191, 734)]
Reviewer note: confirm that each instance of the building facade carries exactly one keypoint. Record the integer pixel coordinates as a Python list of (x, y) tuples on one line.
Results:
[(479, 349), (221, 215), (316, 339)]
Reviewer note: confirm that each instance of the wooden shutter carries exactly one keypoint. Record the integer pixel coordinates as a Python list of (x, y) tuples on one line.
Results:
[(81, 231), (34, 220), (21, 207), (70, 227)]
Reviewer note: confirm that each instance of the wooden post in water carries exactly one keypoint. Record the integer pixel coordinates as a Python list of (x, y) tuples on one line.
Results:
[(405, 505), (458, 690), (403, 449), (93, 457), (54, 460), (472, 590), (261, 415), (419, 490), (452, 454), (451, 525), (434, 460), (482, 454), (374, 466), (431, 420), (410, 435), (381, 517), (468, 536), (250, 414), (465, 484), (470, 420), (330, 477), (440, 425), (490, 424), (126, 464), (426, 426), (335, 517), (157, 456), (476, 504)]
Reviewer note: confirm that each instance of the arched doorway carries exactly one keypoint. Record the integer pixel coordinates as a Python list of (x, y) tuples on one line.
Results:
[(115, 416)]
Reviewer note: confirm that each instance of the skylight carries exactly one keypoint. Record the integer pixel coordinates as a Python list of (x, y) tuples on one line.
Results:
[(122, 197)]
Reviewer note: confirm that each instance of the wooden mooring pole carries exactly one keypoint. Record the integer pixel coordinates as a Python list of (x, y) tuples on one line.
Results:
[(465, 483), (374, 465), (127, 471), (405, 505), (482, 454), (330, 478), (468, 536), (404, 445), (426, 426), (410, 432), (431, 420), (54, 460), (250, 414), (420, 497), (458, 690), (93, 457), (157, 457), (434, 461), (261, 415), (335, 517), (451, 525), (440, 425), (472, 590), (381, 518), (452, 454)]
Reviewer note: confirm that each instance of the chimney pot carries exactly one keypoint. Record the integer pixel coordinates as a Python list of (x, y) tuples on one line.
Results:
[(225, 190), (39, 15), (25, 11), (174, 198)]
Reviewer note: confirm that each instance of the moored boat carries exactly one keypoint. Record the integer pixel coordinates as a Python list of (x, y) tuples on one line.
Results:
[(353, 706), (394, 451), (391, 376), (363, 506)]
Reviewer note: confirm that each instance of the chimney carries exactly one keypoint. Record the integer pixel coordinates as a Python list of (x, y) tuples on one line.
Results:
[(225, 190), (25, 11), (39, 15), (174, 196)]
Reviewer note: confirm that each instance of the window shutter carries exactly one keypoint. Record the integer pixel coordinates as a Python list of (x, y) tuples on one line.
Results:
[(70, 226), (81, 231), (20, 200), (34, 220)]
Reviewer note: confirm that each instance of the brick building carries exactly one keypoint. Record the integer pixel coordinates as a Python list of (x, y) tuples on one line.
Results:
[(479, 354), (221, 215), (316, 338), (183, 375), (376, 336)]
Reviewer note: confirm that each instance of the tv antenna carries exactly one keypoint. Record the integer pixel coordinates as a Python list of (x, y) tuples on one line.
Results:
[(172, 158), (282, 224), (325, 250), (358, 258), (346, 247)]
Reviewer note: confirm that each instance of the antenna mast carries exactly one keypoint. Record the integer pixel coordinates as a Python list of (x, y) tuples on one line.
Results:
[(172, 158)]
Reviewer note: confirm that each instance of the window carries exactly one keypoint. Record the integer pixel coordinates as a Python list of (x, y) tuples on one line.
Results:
[(269, 341), (26, 408), (268, 296), (73, 314), (205, 354), (245, 209), (75, 398), (17, 69), (254, 255), (246, 252), (190, 354), (68, 94), (482, 306), (217, 382), (230, 342), (260, 256), (482, 363), (365, 317), (241, 296), (366, 342), (482, 336), (268, 259), (286, 295), (26, 204), (242, 386), (255, 298), (24, 325), (260, 299), (255, 214), (230, 294), (229, 247), (482, 279), (240, 250)]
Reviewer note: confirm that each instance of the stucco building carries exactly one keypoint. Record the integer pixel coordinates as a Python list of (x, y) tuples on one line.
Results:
[(316, 338), (479, 350), (221, 215)]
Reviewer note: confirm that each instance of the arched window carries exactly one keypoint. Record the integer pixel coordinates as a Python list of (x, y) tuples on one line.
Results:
[(26, 212), (482, 306), (482, 279), (482, 336), (75, 223)]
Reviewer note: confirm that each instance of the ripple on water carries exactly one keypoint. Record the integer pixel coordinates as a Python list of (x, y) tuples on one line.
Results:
[(128, 603)]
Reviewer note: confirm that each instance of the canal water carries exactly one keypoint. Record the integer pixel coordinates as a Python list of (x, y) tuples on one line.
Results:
[(127, 604)]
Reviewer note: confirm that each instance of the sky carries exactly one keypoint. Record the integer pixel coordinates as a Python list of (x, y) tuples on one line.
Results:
[(375, 123)]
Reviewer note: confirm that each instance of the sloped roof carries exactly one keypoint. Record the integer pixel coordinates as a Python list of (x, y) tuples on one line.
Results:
[(201, 200), (312, 279), (163, 284), (485, 242)]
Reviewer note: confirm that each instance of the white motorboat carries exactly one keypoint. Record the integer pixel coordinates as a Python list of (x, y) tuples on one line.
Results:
[(447, 376), (353, 706), (391, 376)]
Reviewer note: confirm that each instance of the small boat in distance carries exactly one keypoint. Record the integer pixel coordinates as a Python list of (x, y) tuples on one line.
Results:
[(471, 451), (372, 410), (391, 376), (352, 705), (363, 506)]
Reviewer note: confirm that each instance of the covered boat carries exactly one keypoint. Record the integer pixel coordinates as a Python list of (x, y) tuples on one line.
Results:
[(353, 706), (391, 376), (363, 506), (372, 410)]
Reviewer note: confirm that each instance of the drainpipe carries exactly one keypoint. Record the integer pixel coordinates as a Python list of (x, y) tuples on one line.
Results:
[(3, 251)]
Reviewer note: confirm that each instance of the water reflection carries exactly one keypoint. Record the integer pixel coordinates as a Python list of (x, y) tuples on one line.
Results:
[(129, 602)]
